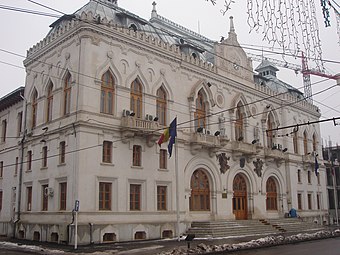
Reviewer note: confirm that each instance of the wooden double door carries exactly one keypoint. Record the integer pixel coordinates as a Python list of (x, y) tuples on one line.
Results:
[(240, 207)]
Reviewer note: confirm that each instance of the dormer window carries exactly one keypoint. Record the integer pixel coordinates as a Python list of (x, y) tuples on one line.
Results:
[(133, 27)]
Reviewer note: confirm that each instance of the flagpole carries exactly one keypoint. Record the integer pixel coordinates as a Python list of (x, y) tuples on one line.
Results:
[(177, 190)]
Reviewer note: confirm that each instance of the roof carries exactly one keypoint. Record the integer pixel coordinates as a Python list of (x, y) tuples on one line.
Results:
[(12, 98), (167, 31)]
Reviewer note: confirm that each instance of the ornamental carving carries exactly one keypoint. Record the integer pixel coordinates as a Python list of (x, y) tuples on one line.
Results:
[(223, 161), (258, 163)]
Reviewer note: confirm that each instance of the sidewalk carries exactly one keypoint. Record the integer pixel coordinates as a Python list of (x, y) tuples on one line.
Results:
[(153, 247)]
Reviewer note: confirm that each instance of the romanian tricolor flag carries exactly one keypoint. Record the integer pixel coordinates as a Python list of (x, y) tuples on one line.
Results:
[(169, 133), (164, 137)]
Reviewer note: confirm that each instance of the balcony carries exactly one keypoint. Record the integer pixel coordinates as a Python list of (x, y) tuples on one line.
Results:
[(210, 142), (132, 126), (239, 147), (274, 155), (308, 161)]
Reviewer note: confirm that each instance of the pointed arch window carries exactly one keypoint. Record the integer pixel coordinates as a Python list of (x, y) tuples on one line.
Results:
[(295, 142), (200, 114), (305, 143), (314, 142), (34, 108), (67, 93), (200, 191), (239, 124), (161, 105), (107, 93), (49, 103), (136, 98), (270, 133), (271, 194)]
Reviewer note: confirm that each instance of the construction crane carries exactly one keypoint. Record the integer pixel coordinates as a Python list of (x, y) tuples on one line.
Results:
[(306, 72)]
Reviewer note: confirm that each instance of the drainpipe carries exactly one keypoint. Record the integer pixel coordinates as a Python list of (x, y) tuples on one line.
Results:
[(91, 233), (22, 143)]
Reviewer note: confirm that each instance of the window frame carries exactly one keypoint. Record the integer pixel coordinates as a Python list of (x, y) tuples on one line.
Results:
[(62, 196), (162, 199), (3, 130), (136, 98), (29, 198), (62, 152), (104, 200), (161, 106), (135, 197), (137, 155), (107, 152), (29, 160), (44, 152), (107, 89), (44, 201), (163, 159), (67, 94)]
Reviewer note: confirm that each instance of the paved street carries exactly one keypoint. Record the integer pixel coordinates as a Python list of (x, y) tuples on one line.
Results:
[(329, 246)]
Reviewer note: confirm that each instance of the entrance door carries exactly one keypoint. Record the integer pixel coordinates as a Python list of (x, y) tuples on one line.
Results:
[(240, 198)]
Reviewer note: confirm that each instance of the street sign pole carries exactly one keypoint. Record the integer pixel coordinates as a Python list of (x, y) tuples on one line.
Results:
[(76, 209)]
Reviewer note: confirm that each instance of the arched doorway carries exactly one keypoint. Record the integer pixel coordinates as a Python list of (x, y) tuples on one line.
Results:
[(200, 191), (240, 197), (271, 203)]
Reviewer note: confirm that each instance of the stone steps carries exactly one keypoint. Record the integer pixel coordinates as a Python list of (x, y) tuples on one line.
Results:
[(230, 228)]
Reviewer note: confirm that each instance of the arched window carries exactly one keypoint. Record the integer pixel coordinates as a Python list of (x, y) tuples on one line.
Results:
[(270, 133), (161, 105), (314, 143), (49, 103), (295, 142), (34, 108), (136, 99), (239, 124), (305, 143), (67, 93), (271, 194), (200, 191), (107, 93), (200, 114)]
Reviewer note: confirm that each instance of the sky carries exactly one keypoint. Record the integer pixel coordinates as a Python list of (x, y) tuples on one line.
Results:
[(20, 31)]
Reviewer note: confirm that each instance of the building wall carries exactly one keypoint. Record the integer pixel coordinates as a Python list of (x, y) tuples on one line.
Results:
[(87, 52)]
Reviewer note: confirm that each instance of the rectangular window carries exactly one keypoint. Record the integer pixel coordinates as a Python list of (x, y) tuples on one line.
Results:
[(62, 152), (309, 177), (29, 160), (318, 177), (44, 191), (0, 200), (62, 197), (318, 201), (19, 128), (137, 155), (309, 199), (105, 194), (29, 199), (163, 159), (135, 199), (299, 176), (4, 131), (16, 166), (107, 152), (299, 197), (161, 198), (1, 169), (44, 156)]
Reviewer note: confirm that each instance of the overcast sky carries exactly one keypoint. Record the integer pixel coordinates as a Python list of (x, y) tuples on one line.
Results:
[(20, 31)]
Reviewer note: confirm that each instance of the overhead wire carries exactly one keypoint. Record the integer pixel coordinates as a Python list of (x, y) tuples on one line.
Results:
[(225, 110)]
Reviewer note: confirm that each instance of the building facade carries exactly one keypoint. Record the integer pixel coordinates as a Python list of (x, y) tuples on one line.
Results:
[(100, 89)]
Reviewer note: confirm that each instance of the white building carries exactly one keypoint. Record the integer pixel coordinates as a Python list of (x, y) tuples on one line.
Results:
[(94, 87)]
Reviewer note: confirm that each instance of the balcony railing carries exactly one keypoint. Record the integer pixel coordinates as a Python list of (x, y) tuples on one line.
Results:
[(244, 148), (139, 124)]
